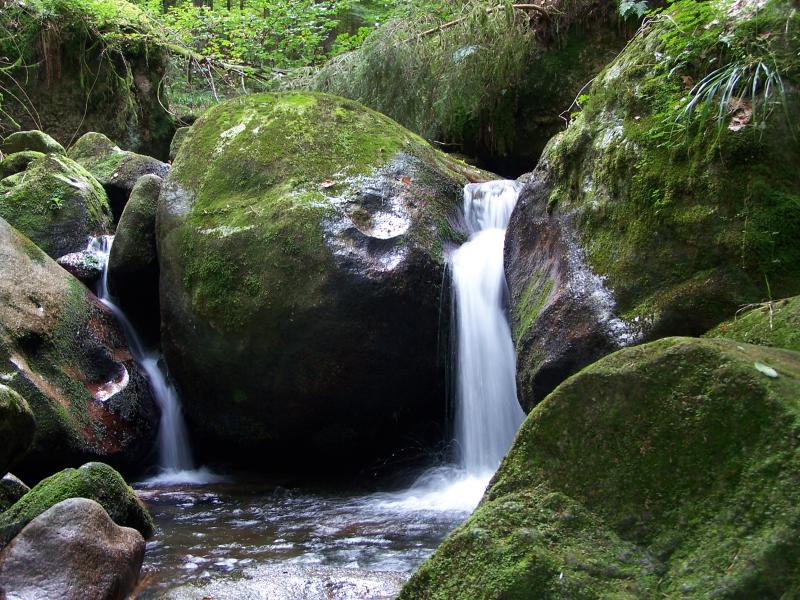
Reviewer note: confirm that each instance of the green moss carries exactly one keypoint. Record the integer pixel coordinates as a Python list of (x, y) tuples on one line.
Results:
[(56, 203), (35, 141), (775, 324), (95, 481), (665, 201), (531, 303), (17, 162), (663, 470)]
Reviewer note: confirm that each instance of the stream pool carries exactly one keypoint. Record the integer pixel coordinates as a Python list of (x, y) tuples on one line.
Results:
[(244, 540)]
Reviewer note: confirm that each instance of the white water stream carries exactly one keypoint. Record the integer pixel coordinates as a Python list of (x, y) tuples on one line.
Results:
[(174, 452), (487, 411)]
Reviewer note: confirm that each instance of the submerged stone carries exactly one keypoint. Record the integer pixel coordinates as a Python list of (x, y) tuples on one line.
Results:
[(301, 241), (670, 469)]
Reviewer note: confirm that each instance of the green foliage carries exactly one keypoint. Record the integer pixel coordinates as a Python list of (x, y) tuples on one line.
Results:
[(633, 9)]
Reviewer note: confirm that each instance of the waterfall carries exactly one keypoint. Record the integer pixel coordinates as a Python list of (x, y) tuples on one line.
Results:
[(487, 411), (174, 452)]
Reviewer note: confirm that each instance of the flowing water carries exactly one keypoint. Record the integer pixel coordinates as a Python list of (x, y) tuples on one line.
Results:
[(248, 540), (174, 453)]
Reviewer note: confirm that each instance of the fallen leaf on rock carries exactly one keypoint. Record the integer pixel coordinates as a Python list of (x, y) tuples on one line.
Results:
[(406, 180), (741, 114), (326, 183), (768, 371)]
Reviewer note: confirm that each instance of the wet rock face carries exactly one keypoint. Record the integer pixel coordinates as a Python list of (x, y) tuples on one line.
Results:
[(301, 245), (72, 551), (62, 350), (563, 314), (85, 266), (666, 245)]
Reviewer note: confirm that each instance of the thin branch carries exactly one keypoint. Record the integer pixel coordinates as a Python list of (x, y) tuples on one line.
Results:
[(449, 24)]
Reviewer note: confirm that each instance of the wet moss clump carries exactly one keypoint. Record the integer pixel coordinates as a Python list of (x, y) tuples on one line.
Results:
[(775, 324), (95, 481), (670, 469)]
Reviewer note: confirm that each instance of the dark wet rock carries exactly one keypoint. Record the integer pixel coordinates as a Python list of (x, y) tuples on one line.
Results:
[(301, 240), (17, 162), (620, 236), (35, 141), (116, 169), (133, 263), (670, 469), (11, 489), (86, 266), (17, 426), (103, 71), (56, 203), (177, 142), (63, 351), (95, 481), (72, 551)]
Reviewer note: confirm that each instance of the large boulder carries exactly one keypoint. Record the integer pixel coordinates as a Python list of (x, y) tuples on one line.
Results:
[(72, 551), (16, 427), (95, 481), (133, 263), (56, 203), (301, 242), (648, 217), (775, 324), (32, 141), (79, 66), (63, 351), (494, 83), (670, 470), (116, 169)]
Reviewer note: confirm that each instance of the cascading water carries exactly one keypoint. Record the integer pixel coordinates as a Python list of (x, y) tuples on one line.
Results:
[(174, 452), (487, 411)]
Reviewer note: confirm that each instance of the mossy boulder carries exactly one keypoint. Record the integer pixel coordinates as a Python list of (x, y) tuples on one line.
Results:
[(86, 65), (116, 169), (16, 427), (95, 481), (17, 162), (56, 203), (86, 266), (11, 490), (177, 141), (133, 263), (775, 324), (35, 141), (670, 469), (305, 234), (646, 218), (63, 351)]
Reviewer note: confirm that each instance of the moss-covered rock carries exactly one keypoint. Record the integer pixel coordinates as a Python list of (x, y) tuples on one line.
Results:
[(86, 65), (305, 234), (17, 162), (670, 469), (95, 481), (116, 169), (133, 263), (494, 82), (34, 141), (86, 266), (11, 490), (16, 427), (62, 350), (177, 141), (646, 218), (775, 324), (56, 203)]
